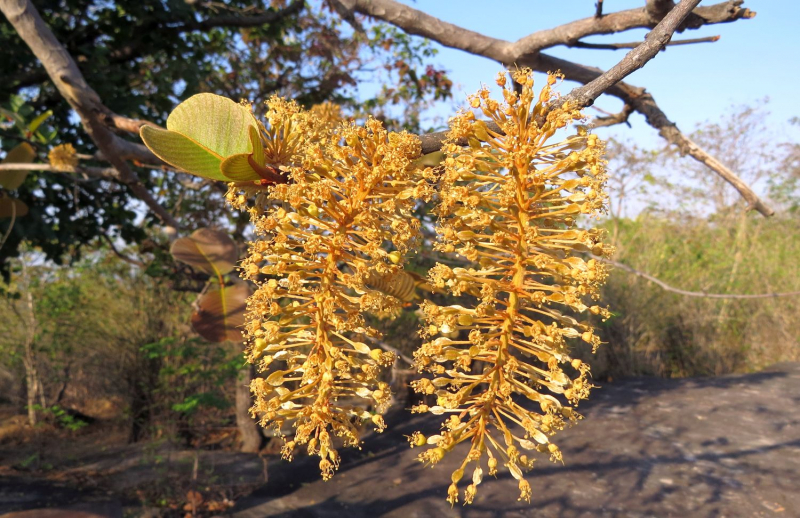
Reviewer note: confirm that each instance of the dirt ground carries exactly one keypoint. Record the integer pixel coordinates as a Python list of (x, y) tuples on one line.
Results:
[(710, 447)]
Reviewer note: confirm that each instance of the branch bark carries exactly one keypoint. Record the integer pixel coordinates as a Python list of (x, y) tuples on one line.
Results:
[(527, 52), (633, 60), (634, 44), (64, 73)]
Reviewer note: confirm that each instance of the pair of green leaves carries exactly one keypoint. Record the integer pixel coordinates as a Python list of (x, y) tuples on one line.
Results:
[(212, 137)]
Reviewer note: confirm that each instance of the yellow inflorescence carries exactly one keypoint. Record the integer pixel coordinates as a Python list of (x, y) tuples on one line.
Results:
[(322, 236), (508, 204), (63, 157), (331, 246)]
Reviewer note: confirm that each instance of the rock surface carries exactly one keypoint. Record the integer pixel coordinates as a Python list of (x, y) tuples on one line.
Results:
[(707, 447)]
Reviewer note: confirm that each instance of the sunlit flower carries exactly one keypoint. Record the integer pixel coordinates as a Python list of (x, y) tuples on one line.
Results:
[(508, 204)]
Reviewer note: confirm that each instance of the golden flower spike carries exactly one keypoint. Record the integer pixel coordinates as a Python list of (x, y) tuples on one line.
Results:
[(508, 203), (321, 239)]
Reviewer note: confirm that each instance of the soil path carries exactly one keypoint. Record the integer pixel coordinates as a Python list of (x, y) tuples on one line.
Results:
[(711, 447)]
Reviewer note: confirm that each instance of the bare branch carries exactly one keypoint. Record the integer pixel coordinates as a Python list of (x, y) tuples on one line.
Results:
[(633, 60), (64, 73), (105, 173), (417, 22), (614, 118), (620, 21), (663, 285), (252, 20), (634, 44), (643, 102)]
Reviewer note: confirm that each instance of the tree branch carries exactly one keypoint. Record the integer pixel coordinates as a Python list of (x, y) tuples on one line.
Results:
[(252, 20), (525, 52), (614, 118), (644, 103), (634, 60), (131, 49), (620, 21), (64, 73), (634, 44), (663, 285)]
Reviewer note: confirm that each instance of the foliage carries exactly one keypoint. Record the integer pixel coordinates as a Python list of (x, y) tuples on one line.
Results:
[(339, 224), (660, 333), (193, 374), (141, 57), (63, 417)]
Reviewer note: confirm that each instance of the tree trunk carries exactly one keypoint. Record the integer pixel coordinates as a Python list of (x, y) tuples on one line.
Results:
[(249, 431), (32, 383), (30, 389)]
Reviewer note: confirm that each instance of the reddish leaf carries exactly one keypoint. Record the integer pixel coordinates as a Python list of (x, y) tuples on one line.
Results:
[(220, 314), (10, 207), (207, 250)]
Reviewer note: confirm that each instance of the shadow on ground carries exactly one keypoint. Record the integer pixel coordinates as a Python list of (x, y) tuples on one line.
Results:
[(726, 446), (708, 447)]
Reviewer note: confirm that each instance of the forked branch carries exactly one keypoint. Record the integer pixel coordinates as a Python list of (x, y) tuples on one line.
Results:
[(527, 52), (64, 73)]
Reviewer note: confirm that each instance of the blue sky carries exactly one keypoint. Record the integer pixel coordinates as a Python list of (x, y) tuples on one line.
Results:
[(754, 58)]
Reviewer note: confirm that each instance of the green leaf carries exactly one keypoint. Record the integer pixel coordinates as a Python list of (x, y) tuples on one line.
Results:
[(210, 251), (214, 121), (21, 154), (239, 167), (220, 313), (34, 125), (201, 132), (182, 152)]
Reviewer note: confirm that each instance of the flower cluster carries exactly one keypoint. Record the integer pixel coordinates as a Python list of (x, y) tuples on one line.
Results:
[(508, 204), (344, 218), (334, 226)]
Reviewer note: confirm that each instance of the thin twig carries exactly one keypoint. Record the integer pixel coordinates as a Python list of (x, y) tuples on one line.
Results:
[(598, 9), (634, 44), (655, 40), (663, 285), (10, 224)]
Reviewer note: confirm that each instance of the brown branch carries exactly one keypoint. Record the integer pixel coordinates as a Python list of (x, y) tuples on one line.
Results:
[(119, 254), (634, 44), (614, 118), (643, 102), (417, 22), (64, 73), (105, 173), (251, 20), (663, 285), (625, 20), (634, 60), (131, 49)]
